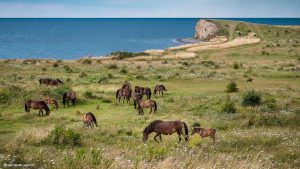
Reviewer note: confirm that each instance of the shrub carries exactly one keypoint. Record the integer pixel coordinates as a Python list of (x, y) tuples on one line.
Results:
[(251, 98), (185, 63), (110, 76), (123, 70), (164, 62), (249, 79), (112, 66), (82, 75), (87, 61), (140, 77), (55, 65), (123, 55), (68, 69), (270, 103), (229, 106), (62, 136), (235, 66), (88, 94), (44, 69), (103, 80), (231, 87), (208, 63), (196, 124)]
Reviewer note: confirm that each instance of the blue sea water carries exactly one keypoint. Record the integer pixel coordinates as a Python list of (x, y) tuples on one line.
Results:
[(75, 38)]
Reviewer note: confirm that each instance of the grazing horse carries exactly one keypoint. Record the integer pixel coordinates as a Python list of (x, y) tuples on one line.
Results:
[(51, 101), (144, 90), (147, 104), (205, 132), (89, 120), (69, 96), (37, 105), (160, 89), (124, 92), (51, 82), (166, 128), (136, 98)]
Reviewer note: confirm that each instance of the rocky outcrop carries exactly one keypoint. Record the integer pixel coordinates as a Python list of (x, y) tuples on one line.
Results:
[(205, 30)]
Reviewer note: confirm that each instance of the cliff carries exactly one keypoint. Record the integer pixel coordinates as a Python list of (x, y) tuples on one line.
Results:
[(205, 30)]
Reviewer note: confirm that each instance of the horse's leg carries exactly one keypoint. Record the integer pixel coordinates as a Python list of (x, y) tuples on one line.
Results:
[(157, 134), (150, 109), (179, 136), (162, 92), (213, 137), (160, 138)]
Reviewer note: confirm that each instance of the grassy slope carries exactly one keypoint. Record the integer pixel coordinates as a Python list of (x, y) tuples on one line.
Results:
[(254, 137)]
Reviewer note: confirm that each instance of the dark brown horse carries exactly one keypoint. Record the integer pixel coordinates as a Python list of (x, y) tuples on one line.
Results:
[(50, 82), (136, 98), (166, 128), (160, 89), (147, 104), (51, 101), (124, 92), (37, 105), (89, 120), (205, 132), (69, 96), (144, 90)]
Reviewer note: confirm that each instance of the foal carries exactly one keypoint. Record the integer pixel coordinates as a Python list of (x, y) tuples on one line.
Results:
[(89, 120), (205, 132)]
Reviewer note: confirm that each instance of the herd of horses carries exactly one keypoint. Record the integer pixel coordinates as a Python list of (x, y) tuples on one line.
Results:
[(89, 120)]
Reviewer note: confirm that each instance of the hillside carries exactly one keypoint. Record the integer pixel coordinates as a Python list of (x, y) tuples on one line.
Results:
[(200, 80)]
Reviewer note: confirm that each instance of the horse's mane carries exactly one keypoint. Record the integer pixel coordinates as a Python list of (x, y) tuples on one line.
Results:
[(151, 126)]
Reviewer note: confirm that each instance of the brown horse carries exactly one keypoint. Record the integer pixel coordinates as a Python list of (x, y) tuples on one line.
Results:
[(50, 82), (166, 128), (160, 89), (147, 104), (89, 120), (51, 101), (37, 105), (124, 92), (69, 96), (144, 90), (205, 132), (136, 98)]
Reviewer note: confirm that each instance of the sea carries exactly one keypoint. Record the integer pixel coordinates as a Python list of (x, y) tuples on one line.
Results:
[(71, 38)]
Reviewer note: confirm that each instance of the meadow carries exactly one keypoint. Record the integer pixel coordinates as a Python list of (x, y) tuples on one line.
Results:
[(212, 88)]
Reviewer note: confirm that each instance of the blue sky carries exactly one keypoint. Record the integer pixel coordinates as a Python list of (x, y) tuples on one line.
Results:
[(149, 8)]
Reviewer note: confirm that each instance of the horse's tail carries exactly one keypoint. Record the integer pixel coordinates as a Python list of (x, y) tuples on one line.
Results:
[(150, 94), (186, 131), (47, 109), (64, 98), (26, 107), (117, 93), (155, 106), (94, 120), (154, 91)]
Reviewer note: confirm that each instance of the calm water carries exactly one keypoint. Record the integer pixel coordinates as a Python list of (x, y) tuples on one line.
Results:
[(75, 38)]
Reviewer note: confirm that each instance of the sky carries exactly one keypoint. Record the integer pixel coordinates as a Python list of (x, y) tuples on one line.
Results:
[(148, 8)]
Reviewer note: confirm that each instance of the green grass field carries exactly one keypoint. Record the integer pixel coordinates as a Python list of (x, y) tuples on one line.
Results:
[(262, 136)]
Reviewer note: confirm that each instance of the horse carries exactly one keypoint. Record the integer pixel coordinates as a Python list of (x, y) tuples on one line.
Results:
[(89, 120), (160, 89), (124, 92), (51, 82), (69, 96), (166, 128), (205, 132), (136, 98), (146, 104), (37, 105), (51, 101), (144, 90)]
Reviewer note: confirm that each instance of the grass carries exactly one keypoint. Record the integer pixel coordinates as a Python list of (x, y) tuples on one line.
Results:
[(262, 136)]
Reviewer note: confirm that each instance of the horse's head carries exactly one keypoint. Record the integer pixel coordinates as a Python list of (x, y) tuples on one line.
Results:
[(195, 130), (145, 136)]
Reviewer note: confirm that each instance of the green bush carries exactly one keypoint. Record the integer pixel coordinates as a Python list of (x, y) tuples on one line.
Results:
[(68, 69), (112, 66), (83, 74), (103, 80), (123, 55), (196, 124), (251, 98), (235, 66), (88, 94), (62, 136), (270, 103), (87, 61), (231, 87), (55, 65), (10, 93), (229, 106), (123, 70)]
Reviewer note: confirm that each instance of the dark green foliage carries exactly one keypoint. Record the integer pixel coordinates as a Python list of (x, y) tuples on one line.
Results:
[(251, 98), (87, 61), (88, 94), (55, 65), (196, 124), (55, 92), (123, 55), (44, 69), (112, 66), (61, 136), (235, 66), (83, 74), (229, 106), (208, 63), (231, 87), (68, 69), (270, 103), (123, 70)]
